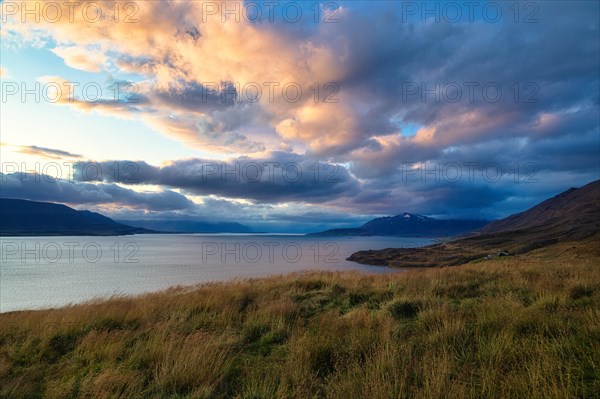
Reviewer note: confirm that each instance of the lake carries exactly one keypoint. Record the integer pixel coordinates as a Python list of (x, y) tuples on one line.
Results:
[(45, 272)]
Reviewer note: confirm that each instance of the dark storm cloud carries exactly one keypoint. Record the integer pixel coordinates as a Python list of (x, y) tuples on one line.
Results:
[(558, 55), (48, 188), (193, 96), (280, 177)]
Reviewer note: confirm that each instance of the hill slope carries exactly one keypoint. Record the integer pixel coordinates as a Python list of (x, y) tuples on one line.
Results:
[(571, 216), (31, 218), (408, 225)]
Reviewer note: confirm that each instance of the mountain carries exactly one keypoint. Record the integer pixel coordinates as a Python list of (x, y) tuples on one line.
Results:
[(31, 218), (573, 214), (409, 225), (189, 226), (560, 225)]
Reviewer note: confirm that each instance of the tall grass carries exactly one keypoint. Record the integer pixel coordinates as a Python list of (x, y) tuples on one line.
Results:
[(506, 328)]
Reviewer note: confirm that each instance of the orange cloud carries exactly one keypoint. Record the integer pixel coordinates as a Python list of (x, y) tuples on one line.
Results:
[(172, 47)]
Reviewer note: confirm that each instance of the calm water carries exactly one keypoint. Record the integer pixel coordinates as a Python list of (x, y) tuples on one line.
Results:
[(44, 272)]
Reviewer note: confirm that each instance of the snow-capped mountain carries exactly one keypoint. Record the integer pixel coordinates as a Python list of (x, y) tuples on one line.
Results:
[(408, 224)]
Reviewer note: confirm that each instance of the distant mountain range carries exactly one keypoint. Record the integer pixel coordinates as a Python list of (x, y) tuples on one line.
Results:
[(189, 226), (31, 218), (409, 225), (569, 216), (572, 217)]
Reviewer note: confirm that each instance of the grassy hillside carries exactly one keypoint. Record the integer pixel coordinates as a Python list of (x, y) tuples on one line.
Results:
[(511, 327), (572, 216)]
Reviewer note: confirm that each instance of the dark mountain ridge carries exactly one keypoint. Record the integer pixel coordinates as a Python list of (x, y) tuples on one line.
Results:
[(32, 218), (572, 214), (408, 224)]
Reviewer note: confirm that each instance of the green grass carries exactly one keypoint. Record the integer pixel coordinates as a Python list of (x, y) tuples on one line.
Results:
[(511, 328)]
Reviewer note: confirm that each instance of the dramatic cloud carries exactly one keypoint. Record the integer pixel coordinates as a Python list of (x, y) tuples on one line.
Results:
[(413, 111), (379, 70), (280, 177), (50, 188)]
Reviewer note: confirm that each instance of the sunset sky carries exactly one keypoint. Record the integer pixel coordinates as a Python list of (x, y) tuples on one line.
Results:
[(299, 116)]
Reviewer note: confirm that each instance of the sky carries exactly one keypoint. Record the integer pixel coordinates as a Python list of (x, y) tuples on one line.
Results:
[(298, 116)]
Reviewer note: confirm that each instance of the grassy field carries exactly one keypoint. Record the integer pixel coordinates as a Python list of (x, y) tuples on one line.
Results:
[(510, 327)]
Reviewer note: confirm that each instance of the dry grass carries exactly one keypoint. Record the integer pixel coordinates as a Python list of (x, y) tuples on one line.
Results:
[(507, 328)]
